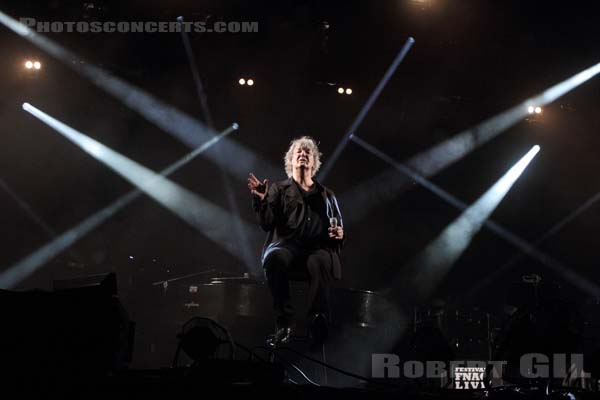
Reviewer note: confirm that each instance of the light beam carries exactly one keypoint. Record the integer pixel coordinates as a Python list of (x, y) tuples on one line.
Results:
[(363, 112), (569, 275), (431, 265), (180, 125), (388, 185), (514, 260), (19, 271)]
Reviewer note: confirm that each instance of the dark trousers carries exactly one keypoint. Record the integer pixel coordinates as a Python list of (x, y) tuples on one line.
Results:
[(289, 261)]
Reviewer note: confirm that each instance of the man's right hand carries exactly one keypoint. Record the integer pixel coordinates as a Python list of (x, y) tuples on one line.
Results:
[(257, 187)]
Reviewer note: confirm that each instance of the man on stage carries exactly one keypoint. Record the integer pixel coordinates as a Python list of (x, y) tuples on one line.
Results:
[(305, 234)]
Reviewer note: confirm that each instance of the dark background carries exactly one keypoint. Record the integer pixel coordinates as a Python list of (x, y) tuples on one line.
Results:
[(471, 60)]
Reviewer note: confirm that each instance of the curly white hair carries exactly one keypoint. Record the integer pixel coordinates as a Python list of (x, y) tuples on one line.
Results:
[(305, 142)]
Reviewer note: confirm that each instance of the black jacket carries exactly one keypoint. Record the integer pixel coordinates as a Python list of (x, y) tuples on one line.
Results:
[(283, 211)]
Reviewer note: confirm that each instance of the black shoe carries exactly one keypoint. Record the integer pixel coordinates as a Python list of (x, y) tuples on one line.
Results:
[(282, 335), (318, 330)]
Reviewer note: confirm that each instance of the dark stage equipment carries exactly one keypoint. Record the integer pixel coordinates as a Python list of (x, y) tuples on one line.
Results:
[(201, 338), (74, 333), (550, 327)]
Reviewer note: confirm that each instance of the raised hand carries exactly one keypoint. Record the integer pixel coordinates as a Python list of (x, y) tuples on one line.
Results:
[(257, 187)]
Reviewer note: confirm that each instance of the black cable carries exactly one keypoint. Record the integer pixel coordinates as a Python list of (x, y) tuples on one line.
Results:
[(250, 351), (306, 378), (294, 366), (341, 371)]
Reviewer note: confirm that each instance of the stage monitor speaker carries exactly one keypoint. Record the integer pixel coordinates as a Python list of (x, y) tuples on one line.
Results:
[(71, 333)]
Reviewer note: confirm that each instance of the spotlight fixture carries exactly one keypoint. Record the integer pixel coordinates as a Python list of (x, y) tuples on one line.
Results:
[(341, 90), (242, 81), (200, 338), (348, 91), (538, 110), (29, 64), (530, 109), (250, 82)]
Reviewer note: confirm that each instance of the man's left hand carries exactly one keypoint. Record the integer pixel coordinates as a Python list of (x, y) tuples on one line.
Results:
[(336, 233)]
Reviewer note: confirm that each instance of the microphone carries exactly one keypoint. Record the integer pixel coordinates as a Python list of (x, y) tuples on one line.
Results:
[(262, 188)]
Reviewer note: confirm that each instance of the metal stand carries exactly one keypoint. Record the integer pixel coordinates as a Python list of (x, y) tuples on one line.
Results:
[(324, 359), (165, 283)]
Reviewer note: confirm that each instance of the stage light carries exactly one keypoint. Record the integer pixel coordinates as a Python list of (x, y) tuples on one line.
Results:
[(568, 274), (37, 65), (341, 90), (538, 110), (530, 109), (348, 91), (201, 338), (19, 271), (387, 185), (187, 129), (365, 109), (549, 233), (28, 64), (250, 82), (182, 126), (242, 81), (209, 218), (430, 267)]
